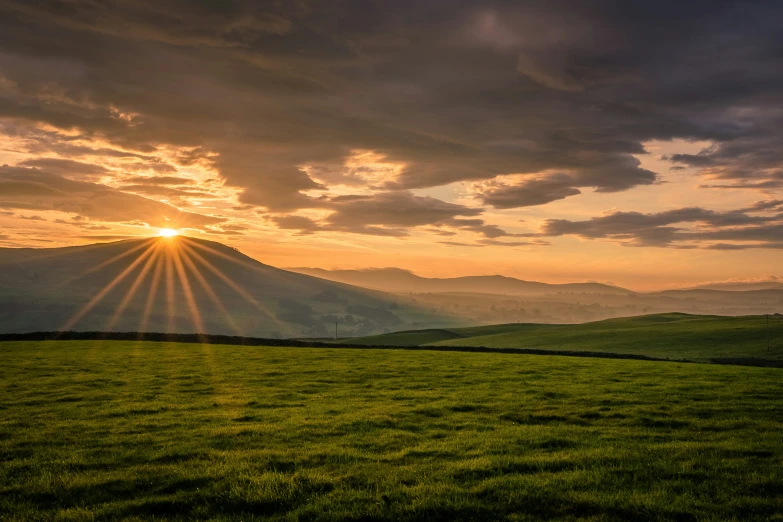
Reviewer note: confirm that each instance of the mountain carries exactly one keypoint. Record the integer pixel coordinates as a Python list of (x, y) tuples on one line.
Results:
[(184, 284), (741, 286), (403, 281)]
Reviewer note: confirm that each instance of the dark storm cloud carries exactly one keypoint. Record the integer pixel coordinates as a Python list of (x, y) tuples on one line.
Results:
[(664, 229), (27, 188), (561, 91)]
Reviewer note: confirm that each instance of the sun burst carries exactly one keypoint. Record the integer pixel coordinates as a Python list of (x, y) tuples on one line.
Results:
[(168, 232), (177, 273)]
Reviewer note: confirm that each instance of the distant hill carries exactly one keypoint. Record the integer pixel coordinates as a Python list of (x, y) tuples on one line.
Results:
[(673, 335), (737, 295), (186, 285), (403, 281), (734, 287)]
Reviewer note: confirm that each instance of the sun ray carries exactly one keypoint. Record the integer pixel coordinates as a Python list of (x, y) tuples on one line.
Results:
[(134, 288), (106, 263), (189, 298), (152, 293), (61, 252), (249, 298), (108, 288), (290, 278), (170, 294), (208, 289), (218, 253)]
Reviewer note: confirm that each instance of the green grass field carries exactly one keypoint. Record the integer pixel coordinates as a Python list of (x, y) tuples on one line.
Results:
[(675, 336), (109, 430)]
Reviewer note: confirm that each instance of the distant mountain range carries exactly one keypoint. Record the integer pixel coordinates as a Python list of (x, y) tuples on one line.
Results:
[(404, 281), (741, 287), (398, 280), (186, 285)]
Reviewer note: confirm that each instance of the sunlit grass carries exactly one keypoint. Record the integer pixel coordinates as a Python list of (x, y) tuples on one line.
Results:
[(675, 336), (126, 430)]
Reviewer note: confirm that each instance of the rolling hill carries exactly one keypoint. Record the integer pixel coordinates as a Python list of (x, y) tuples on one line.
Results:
[(186, 285), (484, 300), (404, 281), (674, 335)]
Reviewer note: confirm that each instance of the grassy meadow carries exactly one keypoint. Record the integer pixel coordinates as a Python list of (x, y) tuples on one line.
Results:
[(674, 336), (109, 430)]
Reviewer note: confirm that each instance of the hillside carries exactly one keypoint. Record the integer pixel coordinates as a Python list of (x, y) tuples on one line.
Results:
[(403, 281), (676, 336), (185, 285)]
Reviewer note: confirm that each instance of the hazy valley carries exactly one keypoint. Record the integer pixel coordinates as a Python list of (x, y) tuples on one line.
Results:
[(498, 299)]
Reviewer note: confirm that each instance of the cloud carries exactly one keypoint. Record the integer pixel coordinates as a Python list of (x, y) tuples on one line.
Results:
[(22, 188), (495, 243), (67, 168), (751, 161), (479, 226), (392, 214), (302, 224), (665, 229), (167, 192), (527, 192), (115, 237), (531, 102), (158, 180), (243, 62)]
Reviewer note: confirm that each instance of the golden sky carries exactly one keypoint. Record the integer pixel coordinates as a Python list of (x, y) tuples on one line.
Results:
[(549, 141)]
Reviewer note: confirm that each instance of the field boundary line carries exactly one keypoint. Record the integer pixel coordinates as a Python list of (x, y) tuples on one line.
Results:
[(292, 343)]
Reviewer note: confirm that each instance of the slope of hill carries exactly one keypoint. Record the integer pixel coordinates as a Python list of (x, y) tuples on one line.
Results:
[(677, 336), (403, 281), (185, 285)]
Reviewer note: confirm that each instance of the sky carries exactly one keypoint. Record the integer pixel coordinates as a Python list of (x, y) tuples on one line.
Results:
[(634, 143)]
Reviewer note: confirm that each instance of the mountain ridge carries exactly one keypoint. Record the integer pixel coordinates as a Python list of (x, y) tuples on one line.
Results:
[(184, 285), (405, 281)]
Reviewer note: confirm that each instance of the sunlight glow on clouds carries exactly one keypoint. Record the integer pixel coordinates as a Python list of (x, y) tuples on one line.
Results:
[(513, 133), (361, 171)]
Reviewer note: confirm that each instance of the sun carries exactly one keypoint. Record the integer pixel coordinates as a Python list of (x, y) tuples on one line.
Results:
[(168, 232)]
